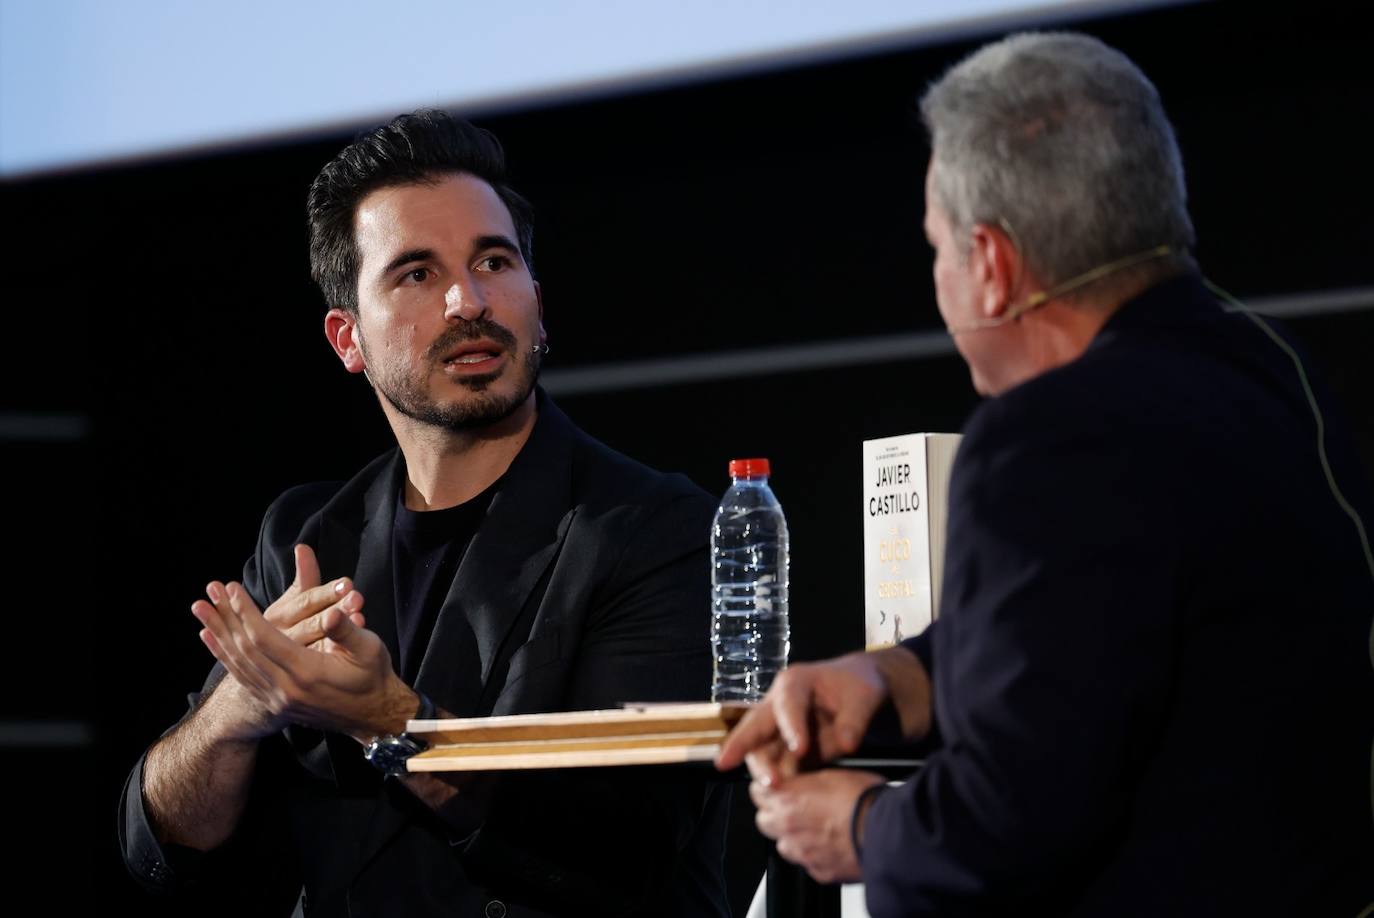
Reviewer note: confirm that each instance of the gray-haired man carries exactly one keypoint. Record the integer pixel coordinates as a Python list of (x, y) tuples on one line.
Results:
[(1147, 691)]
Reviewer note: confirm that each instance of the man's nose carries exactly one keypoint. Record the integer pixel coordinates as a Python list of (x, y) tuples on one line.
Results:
[(464, 301)]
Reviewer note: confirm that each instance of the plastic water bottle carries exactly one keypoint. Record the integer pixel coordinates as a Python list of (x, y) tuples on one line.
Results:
[(749, 631)]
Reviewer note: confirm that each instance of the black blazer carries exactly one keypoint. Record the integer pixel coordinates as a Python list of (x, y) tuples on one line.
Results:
[(1151, 669), (584, 587)]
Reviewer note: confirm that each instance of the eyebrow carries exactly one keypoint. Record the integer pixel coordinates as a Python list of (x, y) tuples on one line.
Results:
[(406, 258), (481, 243), (495, 242)]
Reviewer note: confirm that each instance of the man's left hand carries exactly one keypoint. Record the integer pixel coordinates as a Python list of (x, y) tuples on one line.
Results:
[(350, 687), (809, 816)]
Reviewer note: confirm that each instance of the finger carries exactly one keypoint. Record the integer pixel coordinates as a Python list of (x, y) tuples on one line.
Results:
[(239, 600), (756, 729), (792, 703), (308, 631), (296, 607), (221, 644), (217, 596), (766, 817), (214, 590), (339, 628), (356, 618), (268, 649), (845, 732), (282, 666), (212, 631), (228, 646), (786, 767), (822, 872), (235, 638), (234, 602), (765, 763), (790, 850)]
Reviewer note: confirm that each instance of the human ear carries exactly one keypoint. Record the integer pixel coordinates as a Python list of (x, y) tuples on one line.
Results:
[(341, 328), (995, 266)]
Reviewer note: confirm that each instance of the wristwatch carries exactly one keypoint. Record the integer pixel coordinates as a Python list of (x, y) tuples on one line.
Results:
[(389, 753)]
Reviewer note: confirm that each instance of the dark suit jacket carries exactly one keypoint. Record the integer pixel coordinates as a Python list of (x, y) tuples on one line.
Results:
[(1151, 669), (586, 586)]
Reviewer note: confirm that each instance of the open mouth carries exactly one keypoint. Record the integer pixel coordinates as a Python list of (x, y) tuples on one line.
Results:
[(473, 357), (482, 355)]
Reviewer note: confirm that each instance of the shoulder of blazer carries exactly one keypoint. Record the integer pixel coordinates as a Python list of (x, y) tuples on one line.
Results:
[(296, 509)]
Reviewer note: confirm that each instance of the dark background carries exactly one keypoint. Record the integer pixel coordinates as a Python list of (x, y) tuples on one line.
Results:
[(167, 307)]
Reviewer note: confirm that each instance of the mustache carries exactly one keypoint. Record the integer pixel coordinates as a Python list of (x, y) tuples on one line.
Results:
[(471, 331)]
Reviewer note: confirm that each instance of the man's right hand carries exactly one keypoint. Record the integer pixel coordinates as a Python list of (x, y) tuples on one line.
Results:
[(299, 613), (822, 710)]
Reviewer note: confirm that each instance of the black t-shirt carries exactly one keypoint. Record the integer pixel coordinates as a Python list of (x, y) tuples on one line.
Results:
[(426, 548)]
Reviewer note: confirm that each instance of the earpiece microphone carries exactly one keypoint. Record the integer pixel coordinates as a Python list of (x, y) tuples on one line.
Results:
[(1235, 305), (1011, 315), (1042, 297)]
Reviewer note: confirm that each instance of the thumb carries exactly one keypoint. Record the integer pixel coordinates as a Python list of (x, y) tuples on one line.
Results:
[(848, 729), (307, 568)]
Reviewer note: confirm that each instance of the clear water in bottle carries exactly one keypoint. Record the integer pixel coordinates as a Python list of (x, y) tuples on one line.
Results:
[(749, 628)]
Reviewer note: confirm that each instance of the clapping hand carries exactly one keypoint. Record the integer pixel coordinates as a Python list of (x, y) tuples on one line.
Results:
[(308, 659)]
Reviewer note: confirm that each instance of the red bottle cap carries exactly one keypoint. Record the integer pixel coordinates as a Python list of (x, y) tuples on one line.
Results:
[(749, 468)]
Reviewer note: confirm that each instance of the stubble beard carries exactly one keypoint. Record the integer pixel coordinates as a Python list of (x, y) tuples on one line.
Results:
[(411, 397)]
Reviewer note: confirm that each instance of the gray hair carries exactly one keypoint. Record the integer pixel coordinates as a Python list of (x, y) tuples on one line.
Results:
[(1063, 140)]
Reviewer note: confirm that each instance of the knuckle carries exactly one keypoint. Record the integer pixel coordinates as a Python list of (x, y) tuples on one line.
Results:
[(299, 604)]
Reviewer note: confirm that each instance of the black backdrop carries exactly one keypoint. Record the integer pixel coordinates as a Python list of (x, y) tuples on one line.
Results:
[(168, 305)]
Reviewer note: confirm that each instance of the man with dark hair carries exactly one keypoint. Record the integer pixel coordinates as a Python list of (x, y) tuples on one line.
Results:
[(509, 564), (1148, 688)]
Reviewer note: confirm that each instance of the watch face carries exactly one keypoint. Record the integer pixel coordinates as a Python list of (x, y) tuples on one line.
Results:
[(389, 753)]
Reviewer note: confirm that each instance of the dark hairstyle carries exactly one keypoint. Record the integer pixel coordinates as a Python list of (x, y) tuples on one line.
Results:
[(413, 149)]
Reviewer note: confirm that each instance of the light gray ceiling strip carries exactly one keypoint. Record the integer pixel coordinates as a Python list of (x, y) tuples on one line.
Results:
[(721, 365)]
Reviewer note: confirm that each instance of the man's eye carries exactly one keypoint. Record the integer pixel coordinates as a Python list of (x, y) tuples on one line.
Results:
[(493, 263), (416, 276)]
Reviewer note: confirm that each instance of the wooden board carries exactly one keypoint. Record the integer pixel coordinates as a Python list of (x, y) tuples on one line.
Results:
[(635, 735)]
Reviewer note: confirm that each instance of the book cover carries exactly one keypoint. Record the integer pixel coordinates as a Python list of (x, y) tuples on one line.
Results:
[(905, 507)]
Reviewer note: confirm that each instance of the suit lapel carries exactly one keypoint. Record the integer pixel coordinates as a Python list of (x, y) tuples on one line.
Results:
[(518, 540), (359, 546), (355, 541), (372, 574)]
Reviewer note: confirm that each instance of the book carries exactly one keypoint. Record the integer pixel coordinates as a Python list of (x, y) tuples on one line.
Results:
[(906, 509), (637, 734)]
